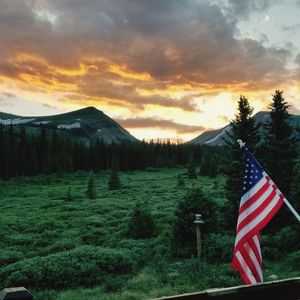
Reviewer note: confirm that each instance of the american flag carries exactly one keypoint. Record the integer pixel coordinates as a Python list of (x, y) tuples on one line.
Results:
[(260, 201)]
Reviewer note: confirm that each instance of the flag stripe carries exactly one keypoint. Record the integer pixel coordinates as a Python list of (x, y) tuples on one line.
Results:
[(246, 272), (256, 250), (254, 194), (257, 224), (245, 252), (257, 208)]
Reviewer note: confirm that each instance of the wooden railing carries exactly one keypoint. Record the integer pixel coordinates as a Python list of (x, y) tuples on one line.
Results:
[(288, 289)]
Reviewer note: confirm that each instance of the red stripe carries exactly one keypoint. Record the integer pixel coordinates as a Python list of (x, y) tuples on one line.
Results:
[(256, 196), (237, 266), (255, 250), (257, 211), (250, 263), (260, 225)]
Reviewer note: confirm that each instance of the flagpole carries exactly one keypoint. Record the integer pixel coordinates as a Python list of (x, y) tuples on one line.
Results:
[(291, 208), (288, 204)]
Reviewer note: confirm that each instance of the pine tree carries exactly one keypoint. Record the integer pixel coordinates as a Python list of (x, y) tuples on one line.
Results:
[(191, 172), (280, 154), (3, 153), (68, 196), (280, 145), (295, 188), (114, 180), (180, 181), (12, 152), (91, 189), (184, 231), (22, 157), (42, 151), (243, 127), (141, 224), (213, 172)]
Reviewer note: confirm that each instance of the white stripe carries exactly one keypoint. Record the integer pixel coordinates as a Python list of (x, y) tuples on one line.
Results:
[(253, 191), (256, 242), (256, 264), (257, 220), (255, 205), (245, 267)]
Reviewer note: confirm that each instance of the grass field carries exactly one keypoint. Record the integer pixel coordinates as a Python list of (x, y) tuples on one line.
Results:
[(77, 248)]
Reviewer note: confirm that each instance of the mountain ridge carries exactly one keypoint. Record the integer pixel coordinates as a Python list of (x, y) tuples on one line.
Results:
[(86, 124), (215, 137)]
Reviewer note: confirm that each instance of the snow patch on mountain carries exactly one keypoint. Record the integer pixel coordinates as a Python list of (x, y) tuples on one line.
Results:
[(70, 126), (222, 133), (17, 121), (41, 122)]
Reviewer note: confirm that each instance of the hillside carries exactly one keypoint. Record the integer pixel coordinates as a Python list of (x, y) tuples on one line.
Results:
[(87, 124), (215, 137)]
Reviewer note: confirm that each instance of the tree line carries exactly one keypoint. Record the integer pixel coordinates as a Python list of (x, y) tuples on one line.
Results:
[(27, 154)]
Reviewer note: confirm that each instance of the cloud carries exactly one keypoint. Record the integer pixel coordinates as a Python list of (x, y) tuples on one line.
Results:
[(49, 106), (159, 123), (132, 51), (291, 28), (242, 9)]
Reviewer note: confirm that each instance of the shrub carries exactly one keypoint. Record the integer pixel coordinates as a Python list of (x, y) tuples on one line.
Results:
[(293, 261), (218, 247), (114, 180), (91, 190), (184, 232), (9, 256), (84, 266), (141, 224), (93, 236)]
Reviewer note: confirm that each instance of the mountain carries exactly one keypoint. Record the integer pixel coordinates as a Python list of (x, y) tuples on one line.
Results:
[(87, 124), (215, 137)]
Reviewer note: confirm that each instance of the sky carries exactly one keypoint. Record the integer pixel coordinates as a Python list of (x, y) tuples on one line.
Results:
[(161, 68)]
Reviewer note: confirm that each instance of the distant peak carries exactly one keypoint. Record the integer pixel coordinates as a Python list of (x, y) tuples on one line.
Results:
[(90, 108), (87, 110)]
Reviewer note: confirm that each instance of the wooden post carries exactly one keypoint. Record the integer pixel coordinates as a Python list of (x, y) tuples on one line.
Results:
[(198, 223), (199, 249)]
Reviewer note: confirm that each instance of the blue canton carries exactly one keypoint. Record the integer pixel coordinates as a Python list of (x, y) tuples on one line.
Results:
[(253, 172)]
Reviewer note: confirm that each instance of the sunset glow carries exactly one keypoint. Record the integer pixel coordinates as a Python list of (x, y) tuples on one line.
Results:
[(162, 69)]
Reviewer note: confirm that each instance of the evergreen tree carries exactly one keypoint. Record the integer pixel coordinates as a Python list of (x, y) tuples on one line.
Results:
[(280, 145), (205, 166), (180, 181), (69, 195), (184, 230), (12, 152), (191, 172), (91, 189), (22, 155), (280, 154), (243, 127), (42, 151), (213, 172), (141, 224), (3, 153), (114, 180)]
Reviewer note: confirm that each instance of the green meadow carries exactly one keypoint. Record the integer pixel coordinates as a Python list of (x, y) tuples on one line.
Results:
[(61, 245)]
